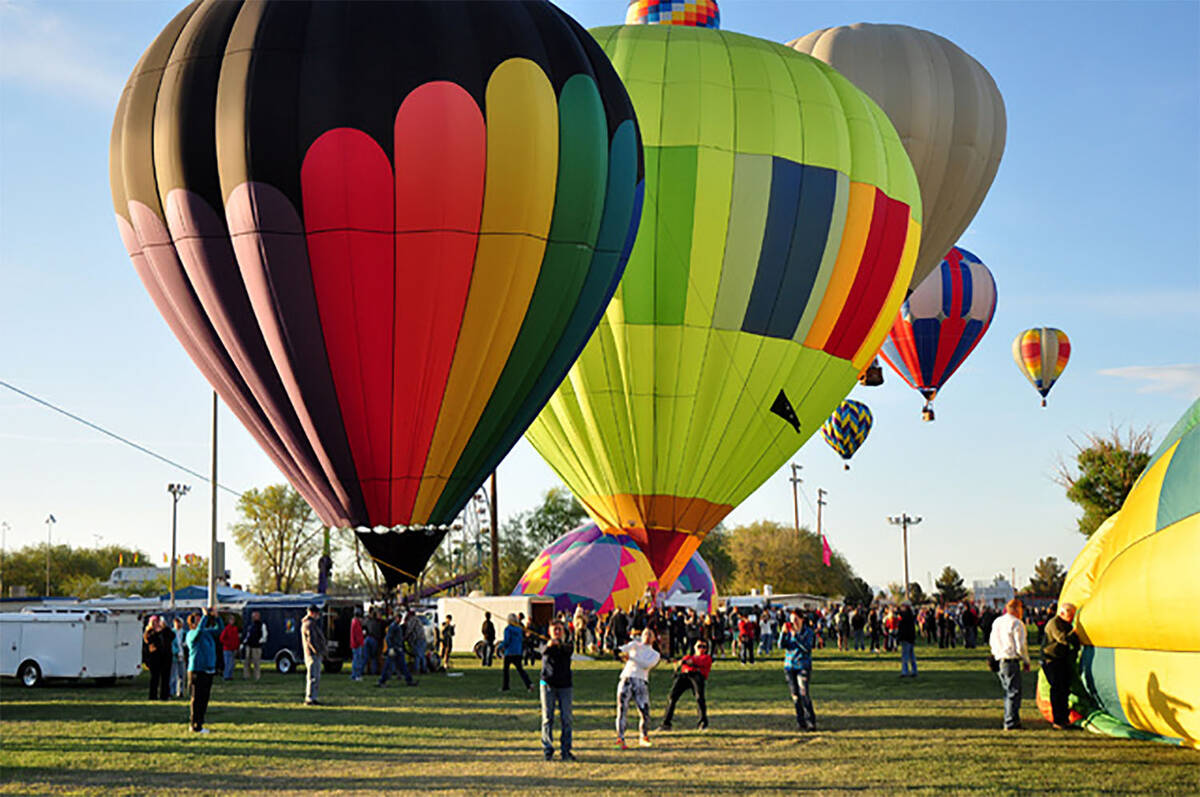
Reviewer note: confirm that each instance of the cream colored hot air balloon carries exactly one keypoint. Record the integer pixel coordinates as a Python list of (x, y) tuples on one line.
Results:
[(946, 108)]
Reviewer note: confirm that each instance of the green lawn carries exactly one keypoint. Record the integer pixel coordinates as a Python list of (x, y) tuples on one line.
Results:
[(878, 734)]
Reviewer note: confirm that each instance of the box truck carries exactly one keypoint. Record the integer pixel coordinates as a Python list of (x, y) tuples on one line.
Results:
[(39, 644)]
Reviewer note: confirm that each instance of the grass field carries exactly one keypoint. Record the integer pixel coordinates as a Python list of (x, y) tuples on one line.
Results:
[(878, 733)]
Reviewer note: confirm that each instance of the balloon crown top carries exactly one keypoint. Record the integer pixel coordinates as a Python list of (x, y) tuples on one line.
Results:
[(695, 13)]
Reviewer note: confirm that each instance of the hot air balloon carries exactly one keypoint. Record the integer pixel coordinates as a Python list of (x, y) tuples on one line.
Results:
[(1134, 585), (1042, 353), (780, 223), (383, 231), (847, 428), (940, 323), (586, 567), (946, 108)]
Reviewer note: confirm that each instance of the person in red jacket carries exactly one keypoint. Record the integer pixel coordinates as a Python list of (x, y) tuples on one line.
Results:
[(358, 647), (692, 673), (230, 640), (746, 633)]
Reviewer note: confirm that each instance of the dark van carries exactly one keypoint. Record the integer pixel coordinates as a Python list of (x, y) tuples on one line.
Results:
[(282, 614)]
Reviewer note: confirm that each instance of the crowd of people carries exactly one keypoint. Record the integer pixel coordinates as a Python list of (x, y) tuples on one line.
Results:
[(394, 643)]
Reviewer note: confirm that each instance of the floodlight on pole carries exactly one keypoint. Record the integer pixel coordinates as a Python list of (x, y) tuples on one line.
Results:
[(177, 491), (904, 521)]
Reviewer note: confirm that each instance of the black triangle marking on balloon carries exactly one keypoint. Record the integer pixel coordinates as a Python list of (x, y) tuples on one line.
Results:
[(783, 408)]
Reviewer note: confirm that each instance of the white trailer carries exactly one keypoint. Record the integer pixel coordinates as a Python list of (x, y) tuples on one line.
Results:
[(467, 614), (37, 644)]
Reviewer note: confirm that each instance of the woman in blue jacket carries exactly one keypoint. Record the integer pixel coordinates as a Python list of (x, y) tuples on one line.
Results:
[(204, 631), (797, 641), (513, 650)]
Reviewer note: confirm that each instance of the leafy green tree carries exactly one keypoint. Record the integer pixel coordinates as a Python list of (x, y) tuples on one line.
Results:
[(895, 592), (280, 538), (1108, 467), (767, 552), (70, 568), (915, 593), (715, 551), (558, 513), (1048, 577), (950, 586), (858, 591)]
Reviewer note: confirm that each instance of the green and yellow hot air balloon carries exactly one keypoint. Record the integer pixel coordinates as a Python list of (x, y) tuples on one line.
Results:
[(777, 238)]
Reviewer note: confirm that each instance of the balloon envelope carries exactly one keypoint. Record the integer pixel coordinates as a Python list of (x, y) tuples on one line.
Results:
[(775, 244), (941, 322), (696, 577), (382, 231), (1134, 584), (586, 567), (847, 428), (946, 108), (1041, 355)]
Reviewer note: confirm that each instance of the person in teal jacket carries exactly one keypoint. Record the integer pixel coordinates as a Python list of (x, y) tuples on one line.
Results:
[(513, 650), (797, 641), (204, 631)]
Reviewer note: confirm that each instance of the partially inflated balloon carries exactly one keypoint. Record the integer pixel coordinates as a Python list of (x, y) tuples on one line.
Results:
[(775, 245), (946, 108), (586, 567), (940, 323), (1041, 354), (383, 231), (847, 428)]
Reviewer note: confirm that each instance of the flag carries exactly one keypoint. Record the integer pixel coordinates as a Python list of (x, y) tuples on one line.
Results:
[(166, 559), (120, 559), (826, 552), (135, 558)]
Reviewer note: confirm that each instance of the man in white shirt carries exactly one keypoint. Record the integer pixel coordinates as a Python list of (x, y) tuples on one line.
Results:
[(1009, 647), (640, 658)]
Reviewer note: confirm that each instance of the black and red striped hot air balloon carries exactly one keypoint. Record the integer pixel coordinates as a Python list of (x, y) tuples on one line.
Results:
[(383, 231)]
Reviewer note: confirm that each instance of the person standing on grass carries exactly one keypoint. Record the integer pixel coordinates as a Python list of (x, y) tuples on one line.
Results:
[(358, 646), (254, 635), (634, 684), (156, 653), (691, 673), (797, 642), (394, 658), (178, 658), (230, 641), (414, 635), (906, 635), (556, 690), (1009, 647), (374, 642), (489, 639), (513, 642), (312, 638), (202, 639), (1058, 663), (447, 641)]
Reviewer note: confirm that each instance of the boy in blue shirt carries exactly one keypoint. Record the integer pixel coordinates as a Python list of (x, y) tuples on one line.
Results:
[(797, 641)]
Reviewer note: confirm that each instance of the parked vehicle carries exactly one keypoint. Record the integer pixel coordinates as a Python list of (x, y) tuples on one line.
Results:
[(282, 615), (39, 644)]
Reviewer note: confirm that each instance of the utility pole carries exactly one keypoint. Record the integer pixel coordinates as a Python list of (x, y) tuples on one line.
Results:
[(795, 480), (904, 521), (495, 532), (820, 503), (50, 521), (177, 491), (4, 527), (212, 552)]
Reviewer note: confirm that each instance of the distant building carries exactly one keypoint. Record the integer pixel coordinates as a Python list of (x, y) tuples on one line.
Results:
[(994, 593), (125, 576)]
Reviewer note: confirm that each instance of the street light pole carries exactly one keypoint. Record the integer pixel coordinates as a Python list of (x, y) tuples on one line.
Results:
[(4, 527), (904, 521), (177, 491), (50, 521), (795, 480)]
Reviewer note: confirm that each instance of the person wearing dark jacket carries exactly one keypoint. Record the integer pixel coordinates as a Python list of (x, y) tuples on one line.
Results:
[(204, 631), (692, 673), (393, 640), (1058, 663), (797, 641), (253, 637), (156, 653), (906, 635), (556, 690), (489, 639)]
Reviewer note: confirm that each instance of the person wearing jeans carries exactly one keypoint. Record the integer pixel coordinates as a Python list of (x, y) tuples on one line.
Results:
[(906, 635), (797, 641), (513, 646), (358, 646), (312, 638), (394, 660), (178, 659), (202, 641), (1009, 647), (556, 690)]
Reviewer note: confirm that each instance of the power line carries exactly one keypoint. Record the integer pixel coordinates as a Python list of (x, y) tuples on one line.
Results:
[(117, 437)]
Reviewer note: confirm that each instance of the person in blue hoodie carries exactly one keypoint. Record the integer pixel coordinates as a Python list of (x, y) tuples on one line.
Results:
[(513, 650), (797, 641), (204, 631)]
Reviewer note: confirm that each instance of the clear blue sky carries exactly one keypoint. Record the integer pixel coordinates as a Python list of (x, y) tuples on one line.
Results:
[(1091, 225)]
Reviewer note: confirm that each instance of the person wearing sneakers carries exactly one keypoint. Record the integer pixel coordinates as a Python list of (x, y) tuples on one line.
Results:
[(556, 689), (640, 658), (692, 674), (797, 642), (514, 637)]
